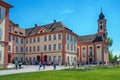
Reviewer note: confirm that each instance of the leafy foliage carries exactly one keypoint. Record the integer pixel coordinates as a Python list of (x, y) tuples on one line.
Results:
[(112, 58), (110, 41)]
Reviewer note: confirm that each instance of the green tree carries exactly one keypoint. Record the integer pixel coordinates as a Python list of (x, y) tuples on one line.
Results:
[(110, 56), (115, 58), (109, 41)]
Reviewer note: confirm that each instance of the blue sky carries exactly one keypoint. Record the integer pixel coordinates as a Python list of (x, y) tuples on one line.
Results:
[(79, 15)]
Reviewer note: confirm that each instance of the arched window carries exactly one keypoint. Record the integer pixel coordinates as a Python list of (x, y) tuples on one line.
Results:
[(83, 52), (101, 25), (90, 50)]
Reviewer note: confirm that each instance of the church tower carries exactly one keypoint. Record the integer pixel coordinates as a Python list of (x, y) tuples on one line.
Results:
[(102, 31)]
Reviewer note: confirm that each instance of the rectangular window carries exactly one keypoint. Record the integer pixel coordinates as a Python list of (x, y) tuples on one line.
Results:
[(30, 40), (45, 38), (49, 47), (54, 37), (49, 58), (21, 49), (67, 46), (38, 48), (9, 47), (38, 39), (26, 49), (67, 36), (10, 28), (59, 59), (30, 49), (49, 37), (45, 48), (34, 40), (59, 36), (54, 47), (59, 47), (71, 47), (16, 48), (9, 37), (26, 41), (74, 39), (0, 55), (34, 49), (75, 48), (54, 58), (16, 39), (21, 41)]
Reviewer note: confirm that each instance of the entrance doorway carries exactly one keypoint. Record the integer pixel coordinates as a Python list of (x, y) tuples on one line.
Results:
[(90, 60), (45, 58), (9, 58), (38, 58)]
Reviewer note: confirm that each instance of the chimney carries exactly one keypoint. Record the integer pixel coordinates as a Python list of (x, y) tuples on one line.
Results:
[(36, 25), (17, 25), (54, 21)]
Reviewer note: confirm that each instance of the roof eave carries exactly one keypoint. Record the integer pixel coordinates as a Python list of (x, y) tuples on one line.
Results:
[(5, 4)]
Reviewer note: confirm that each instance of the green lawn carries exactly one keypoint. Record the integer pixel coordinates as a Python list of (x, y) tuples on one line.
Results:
[(72, 74)]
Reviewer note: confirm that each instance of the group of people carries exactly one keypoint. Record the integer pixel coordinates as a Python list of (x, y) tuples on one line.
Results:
[(43, 64), (18, 64)]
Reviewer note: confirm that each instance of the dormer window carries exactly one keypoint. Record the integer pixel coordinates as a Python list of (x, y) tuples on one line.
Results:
[(21, 33), (41, 31), (15, 31)]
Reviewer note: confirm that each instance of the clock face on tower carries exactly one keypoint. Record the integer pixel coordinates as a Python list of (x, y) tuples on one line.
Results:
[(0, 33)]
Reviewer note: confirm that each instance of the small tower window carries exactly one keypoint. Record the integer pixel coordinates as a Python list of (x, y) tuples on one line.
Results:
[(100, 27)]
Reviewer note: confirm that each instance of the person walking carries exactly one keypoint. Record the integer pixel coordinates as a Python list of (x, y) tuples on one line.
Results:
[(16, 64), (44, 66), (40, 65), (54, 65)]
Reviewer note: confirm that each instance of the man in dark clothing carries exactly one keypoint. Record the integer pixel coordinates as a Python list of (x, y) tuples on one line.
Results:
[(54, 65)]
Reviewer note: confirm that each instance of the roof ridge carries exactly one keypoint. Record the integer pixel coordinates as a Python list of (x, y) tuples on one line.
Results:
[(88, 35)]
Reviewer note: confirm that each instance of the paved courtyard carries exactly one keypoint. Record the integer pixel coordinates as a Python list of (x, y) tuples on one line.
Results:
[(31, 68)]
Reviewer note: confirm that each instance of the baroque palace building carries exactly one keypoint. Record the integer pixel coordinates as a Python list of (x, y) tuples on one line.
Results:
[(49, 43)]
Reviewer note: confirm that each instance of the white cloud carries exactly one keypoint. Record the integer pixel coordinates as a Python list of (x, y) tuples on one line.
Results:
[(69, 11), (116, 53)]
